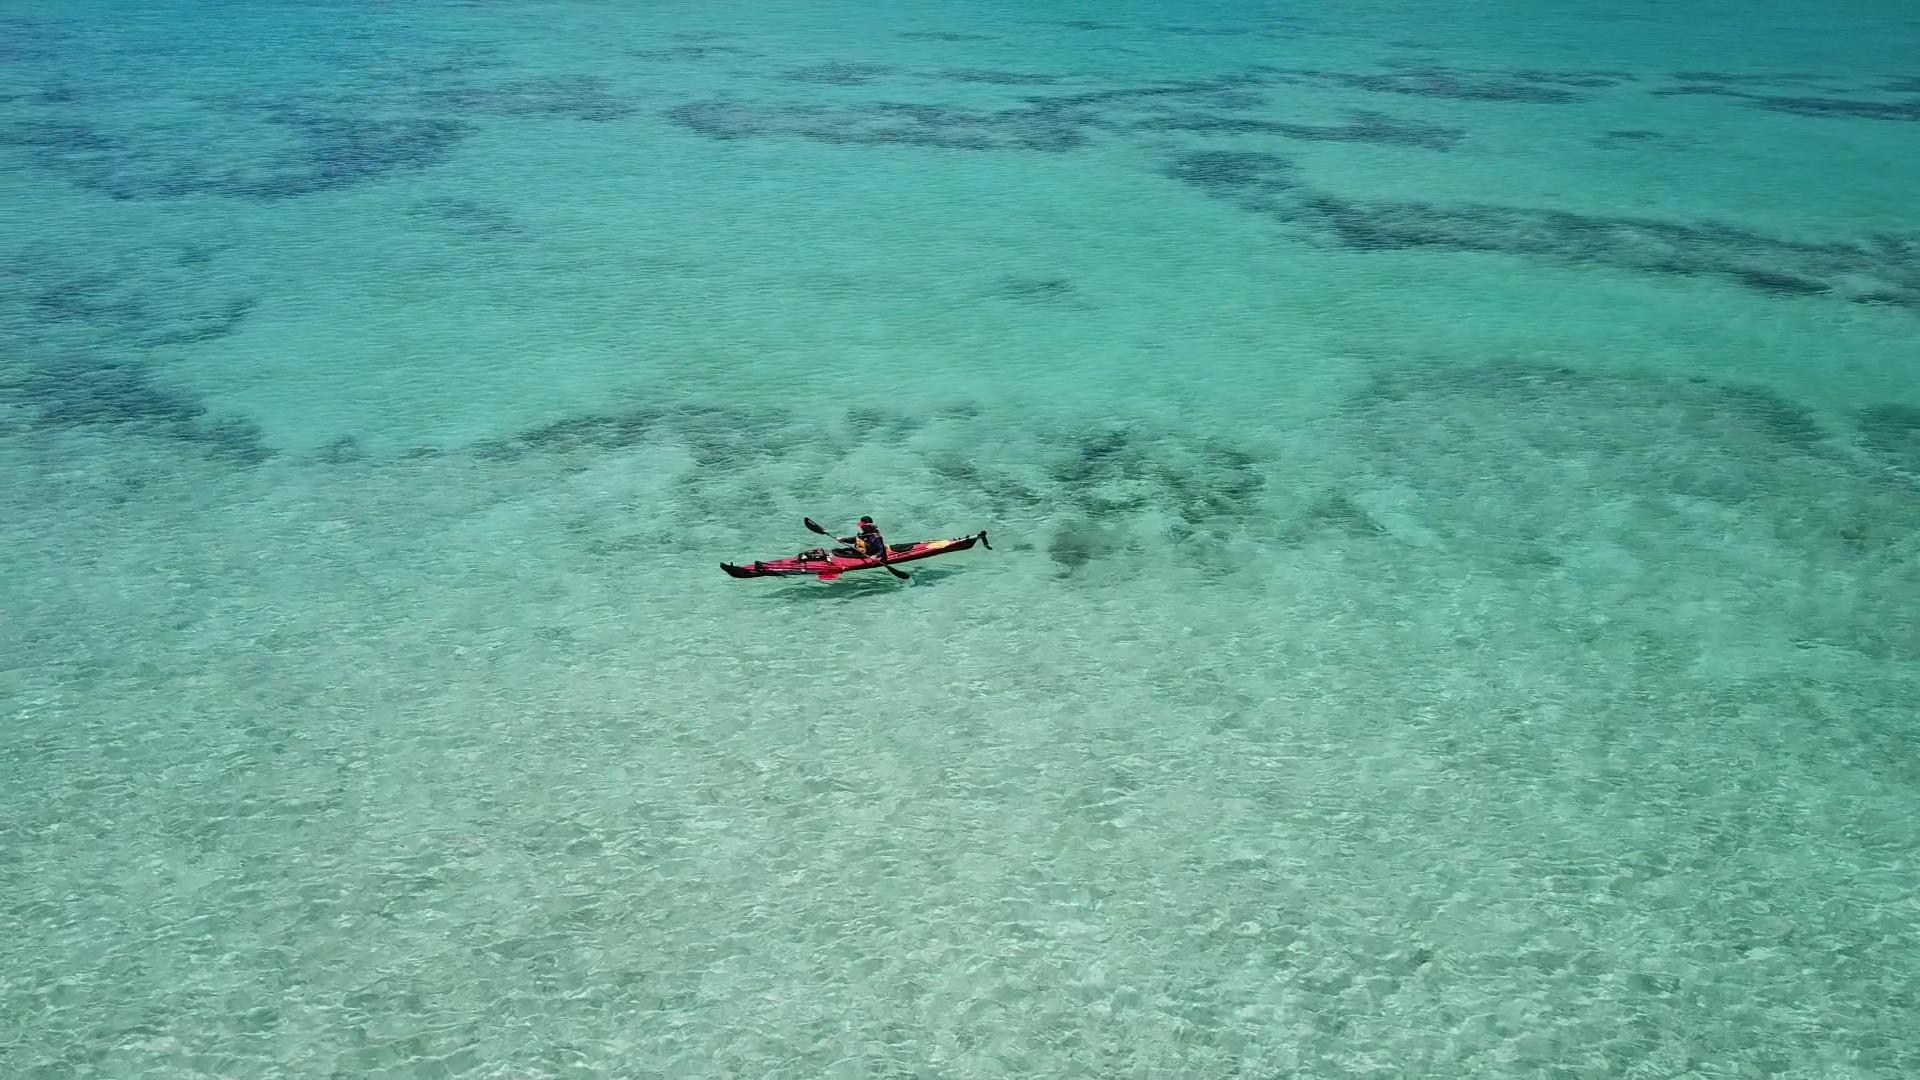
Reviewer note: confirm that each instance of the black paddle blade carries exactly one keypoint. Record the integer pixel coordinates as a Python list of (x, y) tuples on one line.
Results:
[(983, 540), (814, 526), (883, 562)]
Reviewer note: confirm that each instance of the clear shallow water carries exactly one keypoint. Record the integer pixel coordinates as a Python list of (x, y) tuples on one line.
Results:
[(1453, 476)]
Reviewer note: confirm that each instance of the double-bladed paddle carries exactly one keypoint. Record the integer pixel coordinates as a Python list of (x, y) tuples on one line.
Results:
[(814, 526)]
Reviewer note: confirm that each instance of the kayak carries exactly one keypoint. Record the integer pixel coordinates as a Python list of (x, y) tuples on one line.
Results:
[(827, 565)]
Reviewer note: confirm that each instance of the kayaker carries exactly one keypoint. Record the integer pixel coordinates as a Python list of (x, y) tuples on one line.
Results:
[(868, 542)]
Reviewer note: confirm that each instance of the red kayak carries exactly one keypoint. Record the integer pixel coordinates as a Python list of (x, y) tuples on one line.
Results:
[(827, 565)]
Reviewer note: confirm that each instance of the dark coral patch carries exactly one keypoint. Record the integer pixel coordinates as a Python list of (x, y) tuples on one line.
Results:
[(1178, 88), (1435, 84), (342, 150), (1746, 78), (1362, 127), (1189, 30), (1882, 270), (943, 35), (1629, 135), (883, 124), (1782, 422), (1024, 129), (1227, 100), (692, 52), (1002, 494), (190, 328), (298, 144), (1533, 87), (1209, 124), (725, 120), (465, 217), (29, 41), (1074, 544), (23, 54), (1114, 472), (1332, 513), (1848, 108), (78, 394), (229, 438), (345, 151), (566, 97), (866, 420), (716, 437), (1121, 488), (80, 329), (594, 431), (1234, 174), (1583, 80), (60, 143), (451, 60), (838, 74), (342, 451), (1820, 105), (1048, 123), (83, 394), (1894, 431), (1753, 422), (322, 149), (1697, 90), (1639, 244), (1776, 282), (1541, 467), (156, 301), (997, 78), (1036, 290)]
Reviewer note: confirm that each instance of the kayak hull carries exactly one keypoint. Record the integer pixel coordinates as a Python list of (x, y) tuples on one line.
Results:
[(827, 566)]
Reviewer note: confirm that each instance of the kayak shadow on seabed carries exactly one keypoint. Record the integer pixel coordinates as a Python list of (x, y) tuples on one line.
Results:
[(852, 587)]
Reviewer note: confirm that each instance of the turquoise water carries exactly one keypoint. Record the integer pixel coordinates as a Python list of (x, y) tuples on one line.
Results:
[(1453, 468)]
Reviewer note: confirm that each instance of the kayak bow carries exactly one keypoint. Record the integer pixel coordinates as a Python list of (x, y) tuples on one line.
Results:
[(826, 566)]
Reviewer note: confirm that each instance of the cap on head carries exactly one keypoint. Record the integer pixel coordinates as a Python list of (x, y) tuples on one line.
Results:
[(866, 521)]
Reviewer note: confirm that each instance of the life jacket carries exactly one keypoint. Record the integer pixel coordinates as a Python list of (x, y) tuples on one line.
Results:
[(868, 544)]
